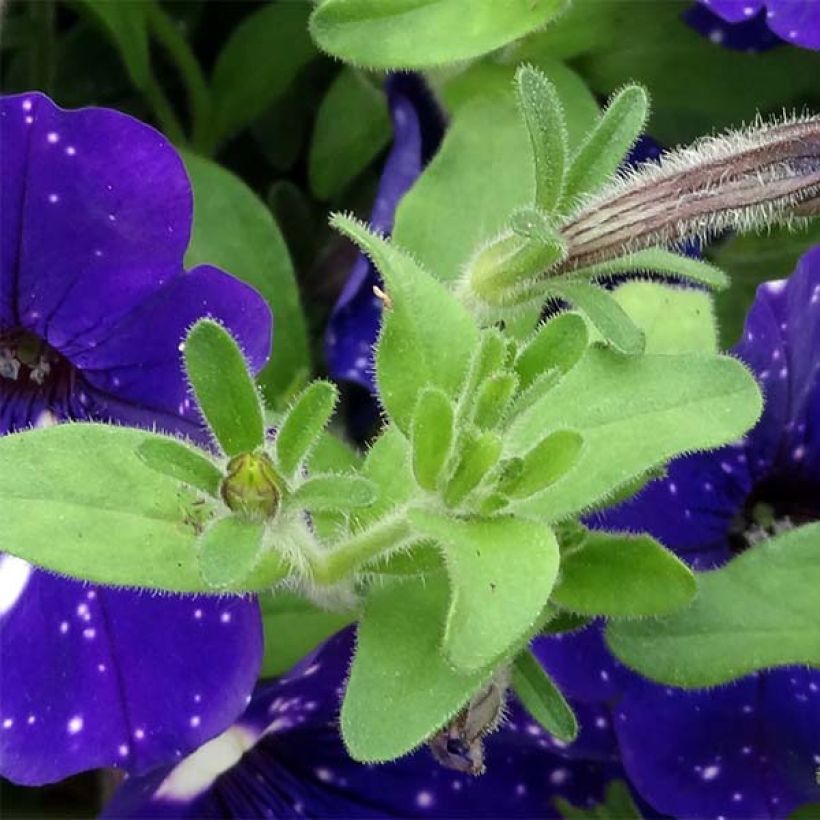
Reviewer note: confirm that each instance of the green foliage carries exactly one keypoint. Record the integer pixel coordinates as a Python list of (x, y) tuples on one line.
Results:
[(606, 145), (544, 118), (181, 462), (401, 689), (622, 576), (235, 231), (227, 551), (293, 627), (432, 436), (479, 453), (544, 464), (542, 698), (85, 482), (258, 63), (673, 319), (556, 344), (423, 33), (501, 573), (480, 175), (607, 316), (422, 321), (302, 426), (224, 389), (352, 127), (646, 410), (334, 492), (757, 611)]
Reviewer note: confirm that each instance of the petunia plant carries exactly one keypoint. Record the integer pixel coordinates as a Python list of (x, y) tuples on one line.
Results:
[(519, 394)]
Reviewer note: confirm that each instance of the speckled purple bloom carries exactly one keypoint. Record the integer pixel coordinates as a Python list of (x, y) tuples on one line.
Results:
[(795, 21), (750, 748), (284, 758), (95, 212)]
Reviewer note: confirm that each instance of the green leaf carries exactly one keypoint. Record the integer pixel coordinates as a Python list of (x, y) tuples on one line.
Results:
[(401, 689), (294, 627), (604, 312), (235, 231), (224, 389), (302, 427), (756, 612), (673, 319), (352, 127), (480, 452), (542, 698), (182, 462), (484, 168), (258, 63), (387, 465), (604, 149), (544, 464), (558, 343), (633, 413), (501, 573), (659, 260), (432, 436), (808, 811), (227, 552), (334, 492), (618, 803), (427, 337), (544, 118), (419, 33), (622, 576), (493, 398), (562, 621), (87, 483)]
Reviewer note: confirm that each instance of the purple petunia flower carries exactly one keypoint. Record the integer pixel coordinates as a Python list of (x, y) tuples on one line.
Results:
[(284, 758), (749, 748), (95, 212), (354, 324), (794, 21)]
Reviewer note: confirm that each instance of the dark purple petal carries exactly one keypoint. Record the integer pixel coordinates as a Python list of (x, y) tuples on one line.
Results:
[(354, 324), (99, 677), (748, 749), (751, 34), (794, 21), (99, 208), (139, 362), (294, 764)]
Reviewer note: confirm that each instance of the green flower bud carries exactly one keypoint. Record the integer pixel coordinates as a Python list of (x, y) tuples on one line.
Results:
[(251, 486)]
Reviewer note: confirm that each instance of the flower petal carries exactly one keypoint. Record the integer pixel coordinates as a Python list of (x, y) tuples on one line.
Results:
[(99, 207), (742, 750), (139, 362), (95, 676)]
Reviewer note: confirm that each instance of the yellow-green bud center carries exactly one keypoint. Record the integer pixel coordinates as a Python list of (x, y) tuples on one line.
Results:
[(251, 486)]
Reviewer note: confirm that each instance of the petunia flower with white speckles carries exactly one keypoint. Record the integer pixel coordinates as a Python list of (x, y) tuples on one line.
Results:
[(794, 21), (95, 216), (749, 748)]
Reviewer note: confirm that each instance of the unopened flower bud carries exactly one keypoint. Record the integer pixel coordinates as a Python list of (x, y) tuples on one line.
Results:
[(252, 486)]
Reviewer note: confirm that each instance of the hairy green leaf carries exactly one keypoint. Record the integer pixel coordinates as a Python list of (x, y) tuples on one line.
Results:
[(334, 492), (431, 435), (501, 573), (542, 698), (227, 551), (182, 462), (622, 576), (224, 389), (557, 343), (401, 689), (756, 612), (423, 33)]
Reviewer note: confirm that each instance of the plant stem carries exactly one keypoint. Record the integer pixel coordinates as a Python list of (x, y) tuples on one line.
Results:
[(339, 562), (196, 87)]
